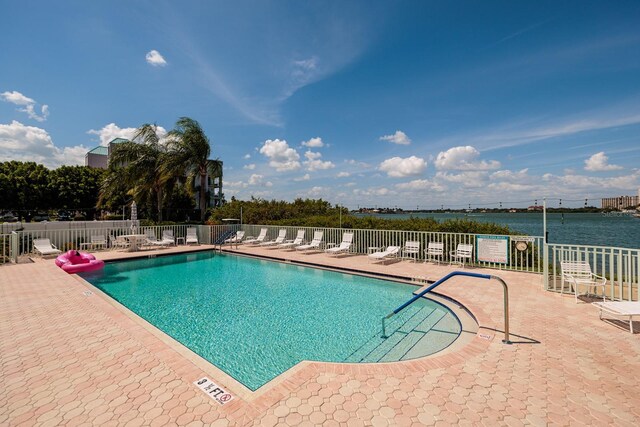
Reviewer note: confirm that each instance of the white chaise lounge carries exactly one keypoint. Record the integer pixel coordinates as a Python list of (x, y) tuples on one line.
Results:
[(237, 238), (44, 247), (626, 309), (259, 239), (282, 235), (390, 252), (315, 243), (293, 243), (192, 236), (345, 245)]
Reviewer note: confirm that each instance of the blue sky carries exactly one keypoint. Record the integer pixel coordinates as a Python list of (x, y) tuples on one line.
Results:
[(397, 103)]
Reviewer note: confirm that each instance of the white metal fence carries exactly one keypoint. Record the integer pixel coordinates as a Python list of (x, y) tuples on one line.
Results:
[(364, 241), (621, 267)]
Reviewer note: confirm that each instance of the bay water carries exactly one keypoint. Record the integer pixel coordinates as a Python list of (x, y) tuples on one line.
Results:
[(596, 229)]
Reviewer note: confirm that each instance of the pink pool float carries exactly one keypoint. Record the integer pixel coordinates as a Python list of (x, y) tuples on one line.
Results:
[(77, 262)]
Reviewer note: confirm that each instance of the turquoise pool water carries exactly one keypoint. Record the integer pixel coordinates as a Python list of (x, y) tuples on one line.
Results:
[(255, 319)]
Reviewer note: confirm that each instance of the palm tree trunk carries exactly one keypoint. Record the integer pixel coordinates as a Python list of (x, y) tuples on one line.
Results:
[(159, 196), (203, 196)]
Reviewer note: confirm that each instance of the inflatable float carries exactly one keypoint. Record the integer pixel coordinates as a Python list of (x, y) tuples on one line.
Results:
[(77, 262)]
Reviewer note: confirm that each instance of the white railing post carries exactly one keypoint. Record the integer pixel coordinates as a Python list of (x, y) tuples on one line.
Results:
[(13, 252)]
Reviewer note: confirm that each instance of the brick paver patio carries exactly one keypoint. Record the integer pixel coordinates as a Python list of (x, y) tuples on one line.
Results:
[(72, 357)]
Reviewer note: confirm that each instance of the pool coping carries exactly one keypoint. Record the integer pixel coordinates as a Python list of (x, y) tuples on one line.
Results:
[(269, 393)]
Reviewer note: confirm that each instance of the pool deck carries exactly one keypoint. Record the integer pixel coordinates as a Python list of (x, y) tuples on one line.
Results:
[(73, 357)]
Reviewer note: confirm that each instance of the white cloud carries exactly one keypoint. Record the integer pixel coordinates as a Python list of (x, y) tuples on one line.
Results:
[(247, 156), (463, 158), (235, 184), (520, 176), (30, 143), (372, 192), (313, 162), (317, 192), (29, 105), (17, 98), (305, 177), (398, 167), (399, 138), (250, 167), (280, 155), (112, 131), (599, 162), (258, 181), (468, 179), (420, 184), (313, 143), (343, 175), (154, 58)]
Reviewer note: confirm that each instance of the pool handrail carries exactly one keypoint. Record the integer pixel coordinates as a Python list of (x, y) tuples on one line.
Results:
[(440, 281)]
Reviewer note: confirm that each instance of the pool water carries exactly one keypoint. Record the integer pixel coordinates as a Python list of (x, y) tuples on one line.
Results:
[(255, 319)]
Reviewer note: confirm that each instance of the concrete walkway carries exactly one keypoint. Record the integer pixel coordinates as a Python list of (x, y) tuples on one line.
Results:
[(69, 355)]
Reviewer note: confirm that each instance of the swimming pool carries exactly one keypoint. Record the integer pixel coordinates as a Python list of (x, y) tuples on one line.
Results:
[(255, 319)]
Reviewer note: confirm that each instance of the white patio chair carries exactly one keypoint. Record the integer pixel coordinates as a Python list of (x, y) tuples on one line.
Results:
[(344, 247), (434, 252), (151, 239), (389, 253), (119, 242), (578, 273), (259, 239), (315, 243), (290, 244), (411, 249), (463, 253), (98, 241), (44, 247)]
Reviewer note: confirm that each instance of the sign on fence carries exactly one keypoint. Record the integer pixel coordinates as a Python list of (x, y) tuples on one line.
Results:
[(493, 249)]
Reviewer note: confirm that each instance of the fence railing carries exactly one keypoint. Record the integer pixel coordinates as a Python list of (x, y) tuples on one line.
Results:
[(621, 267), (364, 241)]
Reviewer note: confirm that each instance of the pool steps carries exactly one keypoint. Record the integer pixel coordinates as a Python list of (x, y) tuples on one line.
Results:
[(415, 333)]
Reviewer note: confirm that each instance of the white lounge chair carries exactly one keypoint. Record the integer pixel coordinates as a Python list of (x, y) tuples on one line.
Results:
[(293, 243), (345, 245), (168, 238), (237, 238), (411, 250), (315, 243), (620, 308), (579, 273), (259, 239), (192, 236), (44, 247), (151, 239), (434, 252), (463, 253), (282, 235), (390, 252)]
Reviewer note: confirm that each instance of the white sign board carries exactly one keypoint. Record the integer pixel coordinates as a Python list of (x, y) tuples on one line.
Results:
[(493, 249), (213, 390)]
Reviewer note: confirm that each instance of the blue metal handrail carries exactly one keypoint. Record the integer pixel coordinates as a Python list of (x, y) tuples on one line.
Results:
[(416, 297)]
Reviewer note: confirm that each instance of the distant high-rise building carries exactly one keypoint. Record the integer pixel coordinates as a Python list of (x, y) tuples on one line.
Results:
[(621, 202)]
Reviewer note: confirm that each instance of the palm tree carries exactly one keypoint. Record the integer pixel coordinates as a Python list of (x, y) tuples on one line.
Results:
[(188, 153), (138, 164)]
